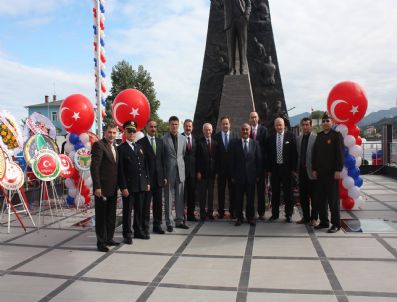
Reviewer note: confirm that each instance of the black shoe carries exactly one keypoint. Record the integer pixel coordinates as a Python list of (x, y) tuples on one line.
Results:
[(112, 243), (321, 226), (237, 223), (221, 216), (102, 248), (273, 218), (333, 229), (170, 229), (141, 236), (252, 222), (232, 216), (261, 217), (182, 226), (192, 219), (202, 218), (210, 217), (288, 219), (158, 230), (127, 240)]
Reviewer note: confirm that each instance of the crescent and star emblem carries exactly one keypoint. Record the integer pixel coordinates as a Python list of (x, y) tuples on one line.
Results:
[(335, 104), (134, 112), (115, 113), (64, 125), (76, 116), (46, 164)]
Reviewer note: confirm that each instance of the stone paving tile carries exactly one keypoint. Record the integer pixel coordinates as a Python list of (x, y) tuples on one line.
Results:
[(24, 288), (366, 276), (157, 244), (13, 255), (227, 246), (99, 292), (387, 215), (276, 297), (195, 295), (281, 229), (48, 237), (371, 299), (354, 248), (284, 247), (223, 228), (291, 274)]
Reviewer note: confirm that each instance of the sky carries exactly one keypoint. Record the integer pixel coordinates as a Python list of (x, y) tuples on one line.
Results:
[(46, 48)]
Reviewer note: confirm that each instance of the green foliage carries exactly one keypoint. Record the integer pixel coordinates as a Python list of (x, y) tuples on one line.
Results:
[(123, 77)]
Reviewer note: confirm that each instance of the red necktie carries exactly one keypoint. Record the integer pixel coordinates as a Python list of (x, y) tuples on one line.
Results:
[(209, 145), (254, 134), (189, 143)]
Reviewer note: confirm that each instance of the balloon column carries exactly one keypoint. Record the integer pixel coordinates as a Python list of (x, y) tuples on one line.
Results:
[(347, 103), (77, 117)]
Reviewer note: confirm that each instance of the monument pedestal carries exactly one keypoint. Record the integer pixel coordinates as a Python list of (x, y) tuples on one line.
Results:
[(236, 101)]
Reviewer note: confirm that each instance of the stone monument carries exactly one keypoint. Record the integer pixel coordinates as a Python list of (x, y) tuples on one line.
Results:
[(235, 95)]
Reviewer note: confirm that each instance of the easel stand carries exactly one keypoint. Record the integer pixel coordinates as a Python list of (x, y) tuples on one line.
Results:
[(80, 186), (52, 202)]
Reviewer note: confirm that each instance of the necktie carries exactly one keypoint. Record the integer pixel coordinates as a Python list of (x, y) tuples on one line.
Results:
[(153, 142), (254, 133), (226, 141), (189, 143), (245, 147), (209, 145), (279, 149), (113, 151)]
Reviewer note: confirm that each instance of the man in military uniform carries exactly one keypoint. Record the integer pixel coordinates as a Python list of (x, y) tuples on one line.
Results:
[(327, 164), (133, 182)]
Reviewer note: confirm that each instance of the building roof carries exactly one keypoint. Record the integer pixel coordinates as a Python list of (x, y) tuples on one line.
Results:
[(50, 104)]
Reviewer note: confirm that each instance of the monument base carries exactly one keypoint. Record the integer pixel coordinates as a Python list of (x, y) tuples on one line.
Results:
[(236, 101)]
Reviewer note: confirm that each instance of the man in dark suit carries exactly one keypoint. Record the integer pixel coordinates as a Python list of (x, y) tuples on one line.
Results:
[(133, 182), (327, 164), (259, 134), (223, 169), (153, 149), (206, 172), (281, 162), (246, 166), (190, 170), (104, 180)]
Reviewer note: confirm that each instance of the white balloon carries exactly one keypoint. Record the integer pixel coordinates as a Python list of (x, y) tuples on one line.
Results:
[(88, 181), (88, 145), (72, 192), (354, 192), (69, 183), (68, 147), (356, 150), (348, 182), (84, 138), (359, 161), (363, 140), (343, 173), (138, 136), (342, 129), (349, 141), (71, 155), (359, 201)]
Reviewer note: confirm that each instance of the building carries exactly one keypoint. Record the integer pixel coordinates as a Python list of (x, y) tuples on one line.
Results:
[(50, 110)]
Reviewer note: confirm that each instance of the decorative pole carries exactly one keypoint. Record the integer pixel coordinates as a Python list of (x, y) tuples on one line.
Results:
[(99, 60)]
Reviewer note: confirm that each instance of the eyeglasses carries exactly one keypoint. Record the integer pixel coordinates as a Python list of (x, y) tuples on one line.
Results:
[(326, 121), (129, 130)]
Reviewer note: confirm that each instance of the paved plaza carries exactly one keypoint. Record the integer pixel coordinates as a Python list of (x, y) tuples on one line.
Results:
[(212, 261)]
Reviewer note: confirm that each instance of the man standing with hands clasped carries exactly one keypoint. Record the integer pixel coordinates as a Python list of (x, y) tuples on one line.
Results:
[(327, 164), (133, 182), (104, 180)]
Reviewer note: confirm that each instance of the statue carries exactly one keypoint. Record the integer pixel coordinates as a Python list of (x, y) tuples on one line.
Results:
[(237, 13)]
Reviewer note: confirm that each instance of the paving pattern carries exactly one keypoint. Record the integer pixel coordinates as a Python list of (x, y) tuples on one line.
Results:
[(212, 261)]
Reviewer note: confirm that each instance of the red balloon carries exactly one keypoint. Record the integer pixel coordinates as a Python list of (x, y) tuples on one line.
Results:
[(76, 114), (131, 104), (347, 203), (354, 130), (347, 103), (343, 192), (359, 140)]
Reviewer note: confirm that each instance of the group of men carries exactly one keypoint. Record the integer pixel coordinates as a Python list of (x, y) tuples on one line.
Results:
[(183, 168)]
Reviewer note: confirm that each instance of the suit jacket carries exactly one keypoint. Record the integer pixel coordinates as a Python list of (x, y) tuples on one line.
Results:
[(133, 168), (222, 156), (174, 161), (309, 150), (190, 158), (261, 136), (104, 168), (244, 6), (156, 162), (290, 154), (205, 159), (245, 168)]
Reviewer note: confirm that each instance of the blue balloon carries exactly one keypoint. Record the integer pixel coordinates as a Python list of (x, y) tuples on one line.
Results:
[(74, 138), (78, 146), (69, 200), (358, 182), (350, 162), (346, 151), (353, 172)]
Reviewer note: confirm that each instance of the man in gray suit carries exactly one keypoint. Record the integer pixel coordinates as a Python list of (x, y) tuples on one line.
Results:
[(237, 13), (307, 181), (174, 152)]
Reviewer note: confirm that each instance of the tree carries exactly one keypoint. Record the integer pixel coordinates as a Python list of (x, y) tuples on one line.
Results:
[(124, 76)]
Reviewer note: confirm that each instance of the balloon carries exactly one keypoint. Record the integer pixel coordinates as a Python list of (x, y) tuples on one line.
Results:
[(78, 146), (69, 183), (68, 147), (359, 140), (348, 203), (72, 192), (349, 141), (69, 200), (342, 129), (356, 151), (359, 201), (71, 155), (347, 103), (354, 130), (359, 161), (353, 192), (76, 114), (74, 138), (88, 146), (131, 104), (350, 161), (343, 193), (358, 182), (84, 138), (348, 182), (343, 173), (139, 135), (353, 172)]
